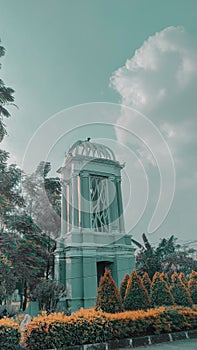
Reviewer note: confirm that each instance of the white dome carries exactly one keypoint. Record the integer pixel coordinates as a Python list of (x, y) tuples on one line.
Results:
[(91, 149)]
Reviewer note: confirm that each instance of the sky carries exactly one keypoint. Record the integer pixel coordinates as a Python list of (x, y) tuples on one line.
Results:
[(121, 72)]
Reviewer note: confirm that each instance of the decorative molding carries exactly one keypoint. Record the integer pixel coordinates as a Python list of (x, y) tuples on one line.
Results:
[(111, 177), (84, 174)]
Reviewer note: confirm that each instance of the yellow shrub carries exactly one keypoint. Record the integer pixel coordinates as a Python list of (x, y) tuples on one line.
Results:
[(90, 326)]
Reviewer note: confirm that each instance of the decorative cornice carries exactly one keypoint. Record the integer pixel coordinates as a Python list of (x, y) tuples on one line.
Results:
[(84, 174), (118, 179)]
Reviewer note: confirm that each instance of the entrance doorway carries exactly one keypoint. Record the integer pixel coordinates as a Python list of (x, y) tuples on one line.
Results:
[(101, 266)]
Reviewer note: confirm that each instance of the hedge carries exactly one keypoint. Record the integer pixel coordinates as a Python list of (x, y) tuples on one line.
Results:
[(90, 326), (9, 334)]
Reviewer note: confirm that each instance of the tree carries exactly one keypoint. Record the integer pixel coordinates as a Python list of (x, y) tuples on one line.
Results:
[(43, 199), (136, 296), (168, 257), (11, 202), (147, 260), (29, 257), (180, 292), (160, 292), (193, 286), (108, 296), (48, 294), (43, 203), (146, 282), (9, 197), (6, 98), (123, 286)]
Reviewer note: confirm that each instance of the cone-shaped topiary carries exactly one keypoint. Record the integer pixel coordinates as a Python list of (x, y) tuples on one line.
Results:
[(183, 279), (164, 276), (193, 286), (160, 292), (123, 286), (180, 292), (136, 296), (108, 296), (146, 282)]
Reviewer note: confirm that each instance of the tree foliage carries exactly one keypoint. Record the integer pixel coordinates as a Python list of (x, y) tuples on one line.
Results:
[(180, 292), (160, 292), (48, 293), (25, 254), (146, 282), (123, 286), (43, 199), (183, 279), (193, 286), (136, 296), (6, 98), (25, 250), (108, 296), (168, 257)]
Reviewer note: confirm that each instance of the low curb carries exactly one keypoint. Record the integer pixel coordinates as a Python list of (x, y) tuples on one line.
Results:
[(135, 342)]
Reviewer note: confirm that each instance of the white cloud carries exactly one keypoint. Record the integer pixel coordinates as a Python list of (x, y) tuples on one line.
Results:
[(160, 81), (164, 63)]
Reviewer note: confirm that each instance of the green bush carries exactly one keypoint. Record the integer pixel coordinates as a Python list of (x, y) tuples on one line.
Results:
[(9, 334), (108, 296), (146, 282), (160, 292), (193, 286), (136, 297), (180, 292), (123, 286), (48, 294)]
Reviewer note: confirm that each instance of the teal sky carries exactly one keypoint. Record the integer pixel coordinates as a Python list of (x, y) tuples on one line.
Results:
[(62, 53)]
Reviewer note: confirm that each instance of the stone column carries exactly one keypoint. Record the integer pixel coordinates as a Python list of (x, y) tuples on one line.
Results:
[(113, 204), (63, 210), (70, 204), (85, 201), (60, 263), (89, 277), (120, 205), (75, 198)]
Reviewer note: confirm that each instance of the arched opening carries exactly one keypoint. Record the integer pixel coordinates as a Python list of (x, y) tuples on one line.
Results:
[(101, 266)]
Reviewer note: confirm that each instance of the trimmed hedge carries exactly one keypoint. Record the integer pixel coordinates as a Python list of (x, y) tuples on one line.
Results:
[(90, 326), (9, 334), (108, 296), (136, 296)]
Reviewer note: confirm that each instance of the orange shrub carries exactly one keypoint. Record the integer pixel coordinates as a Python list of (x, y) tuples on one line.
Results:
[(90, 326)]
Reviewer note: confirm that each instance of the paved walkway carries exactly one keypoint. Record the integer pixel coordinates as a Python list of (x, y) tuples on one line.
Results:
[(190, 344)]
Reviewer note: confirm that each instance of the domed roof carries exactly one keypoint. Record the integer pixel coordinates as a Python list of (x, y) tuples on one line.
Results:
[(91, 149)]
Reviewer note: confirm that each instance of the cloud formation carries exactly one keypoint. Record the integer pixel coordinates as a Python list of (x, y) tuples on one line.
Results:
[(160, 81), (165, 64)]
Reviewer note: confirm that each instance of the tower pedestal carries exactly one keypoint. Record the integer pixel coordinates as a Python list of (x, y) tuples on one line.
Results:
[(81, 260)]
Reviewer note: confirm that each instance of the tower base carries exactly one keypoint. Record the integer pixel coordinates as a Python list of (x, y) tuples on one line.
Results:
[(81, 259)]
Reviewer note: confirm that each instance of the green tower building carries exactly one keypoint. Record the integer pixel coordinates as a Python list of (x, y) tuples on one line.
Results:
[(92, 223)]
